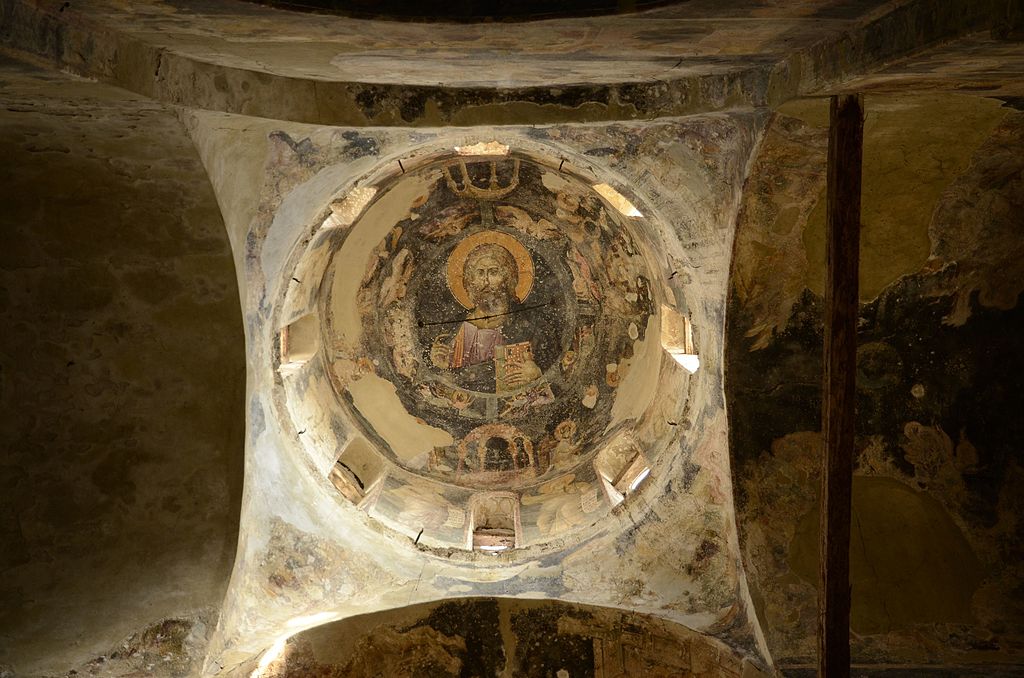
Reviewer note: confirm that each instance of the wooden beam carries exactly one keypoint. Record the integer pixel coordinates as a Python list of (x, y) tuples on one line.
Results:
[(842, 251)]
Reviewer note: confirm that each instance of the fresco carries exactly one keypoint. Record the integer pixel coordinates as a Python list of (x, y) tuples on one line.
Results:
[(935, 560), (504, 309), (506, 637)]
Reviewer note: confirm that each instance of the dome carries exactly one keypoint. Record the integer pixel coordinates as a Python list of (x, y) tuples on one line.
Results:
[(491, 327)]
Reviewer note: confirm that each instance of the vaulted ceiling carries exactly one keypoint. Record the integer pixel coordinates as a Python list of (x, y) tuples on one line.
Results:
[(325, 327)]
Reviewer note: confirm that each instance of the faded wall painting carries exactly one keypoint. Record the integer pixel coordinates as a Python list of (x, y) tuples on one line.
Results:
[(506, 637), (936, 558), (504, 309)]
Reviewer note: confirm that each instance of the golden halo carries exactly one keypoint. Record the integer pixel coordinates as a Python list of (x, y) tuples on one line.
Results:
[(457, 260)]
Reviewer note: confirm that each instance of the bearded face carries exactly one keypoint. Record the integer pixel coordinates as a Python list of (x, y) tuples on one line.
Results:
[(490, 279)]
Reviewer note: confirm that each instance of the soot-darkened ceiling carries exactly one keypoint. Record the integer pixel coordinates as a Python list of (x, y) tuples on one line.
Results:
[(469, 11)]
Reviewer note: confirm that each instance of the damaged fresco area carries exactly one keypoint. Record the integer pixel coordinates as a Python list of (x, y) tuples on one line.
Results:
[(171, 648), (936, 541), (502, 637)]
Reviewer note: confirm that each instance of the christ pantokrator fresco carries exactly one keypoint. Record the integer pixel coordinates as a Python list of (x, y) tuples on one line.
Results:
[(491, 275), (505, 308)]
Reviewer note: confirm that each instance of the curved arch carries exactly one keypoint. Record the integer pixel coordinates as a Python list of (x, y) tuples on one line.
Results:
[(502, 636)]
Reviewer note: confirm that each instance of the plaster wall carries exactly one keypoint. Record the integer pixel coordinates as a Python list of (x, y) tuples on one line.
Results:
[(121, 375), (935, 545)]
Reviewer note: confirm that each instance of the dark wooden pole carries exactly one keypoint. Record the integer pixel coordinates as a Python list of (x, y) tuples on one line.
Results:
[(841, 309)]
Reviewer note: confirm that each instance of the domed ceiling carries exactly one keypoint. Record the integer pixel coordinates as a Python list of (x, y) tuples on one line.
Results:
[(491, 327), (328, 142)]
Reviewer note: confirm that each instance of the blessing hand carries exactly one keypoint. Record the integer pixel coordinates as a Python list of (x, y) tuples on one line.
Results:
[(440, 352)]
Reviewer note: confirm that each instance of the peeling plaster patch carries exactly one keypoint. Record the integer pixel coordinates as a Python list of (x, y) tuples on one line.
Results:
[(170, 648), (617, 200), (257, 417), (347, 210), (296, 211), (304, 573), (555, 183), (911, 155), (483, 148), (408, 437), (637, 390), (386, 211)]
